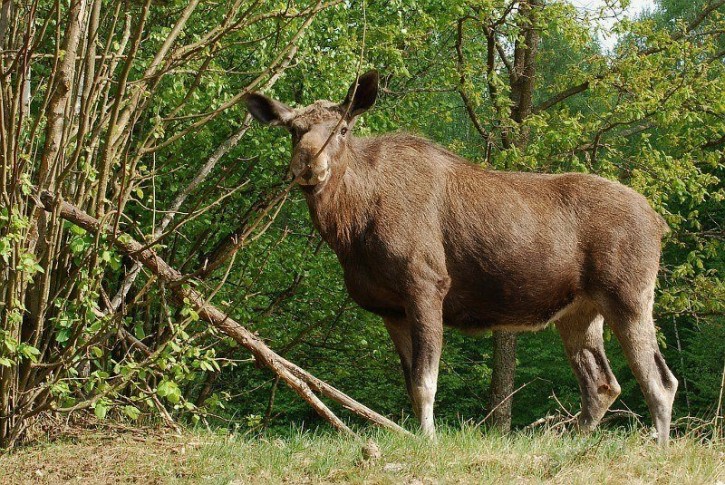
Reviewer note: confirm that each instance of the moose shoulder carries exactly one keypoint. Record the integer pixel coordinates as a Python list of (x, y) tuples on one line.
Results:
[(425, 238)]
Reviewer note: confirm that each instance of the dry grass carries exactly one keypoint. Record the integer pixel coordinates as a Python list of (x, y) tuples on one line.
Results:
[(461, 456)]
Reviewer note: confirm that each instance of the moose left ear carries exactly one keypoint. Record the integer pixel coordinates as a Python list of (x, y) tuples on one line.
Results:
[(267, 110), (364, 96)]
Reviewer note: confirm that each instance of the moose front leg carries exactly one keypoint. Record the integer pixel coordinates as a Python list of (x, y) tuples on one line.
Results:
[(426, 320), (399, 330)]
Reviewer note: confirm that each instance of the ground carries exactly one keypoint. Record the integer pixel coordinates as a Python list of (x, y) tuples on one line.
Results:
[(465, 455)]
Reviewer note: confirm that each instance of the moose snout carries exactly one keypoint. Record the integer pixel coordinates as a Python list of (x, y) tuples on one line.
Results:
[(308, 169)]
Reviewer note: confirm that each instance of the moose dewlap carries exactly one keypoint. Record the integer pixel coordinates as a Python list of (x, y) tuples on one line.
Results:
[(426, 239)]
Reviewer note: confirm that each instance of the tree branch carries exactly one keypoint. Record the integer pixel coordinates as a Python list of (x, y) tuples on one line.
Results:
[(558, 98), (714, 143), (695, 23), (462, 82), (569, 92)]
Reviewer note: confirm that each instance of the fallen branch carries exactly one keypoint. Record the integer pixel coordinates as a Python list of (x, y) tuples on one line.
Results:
[(302, 382), (552, 421)]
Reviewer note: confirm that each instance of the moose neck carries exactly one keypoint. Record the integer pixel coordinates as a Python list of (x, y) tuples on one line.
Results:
[(340, 209)]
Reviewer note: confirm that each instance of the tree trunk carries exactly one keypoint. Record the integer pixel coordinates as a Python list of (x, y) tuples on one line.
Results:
[(502, 380), (521, 79)]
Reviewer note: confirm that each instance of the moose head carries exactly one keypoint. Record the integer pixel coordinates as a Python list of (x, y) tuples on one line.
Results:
[(320, 131)]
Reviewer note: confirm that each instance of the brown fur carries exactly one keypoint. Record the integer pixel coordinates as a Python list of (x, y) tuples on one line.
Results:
[(514, 248), (426, 238)]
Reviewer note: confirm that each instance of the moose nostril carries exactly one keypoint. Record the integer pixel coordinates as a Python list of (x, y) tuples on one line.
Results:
[(303, 157)]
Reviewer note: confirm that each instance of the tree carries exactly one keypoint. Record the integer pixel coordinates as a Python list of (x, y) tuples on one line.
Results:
[(126, 86), (618, 95)]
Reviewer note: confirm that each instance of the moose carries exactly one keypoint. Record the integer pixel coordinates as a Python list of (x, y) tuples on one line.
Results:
[(426, 238)]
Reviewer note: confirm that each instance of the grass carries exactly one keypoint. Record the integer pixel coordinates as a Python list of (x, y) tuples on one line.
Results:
[(461, 456)]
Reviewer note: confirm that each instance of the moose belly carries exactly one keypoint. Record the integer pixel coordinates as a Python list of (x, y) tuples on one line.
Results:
[(487, 303), (480, 299), (507, 303)]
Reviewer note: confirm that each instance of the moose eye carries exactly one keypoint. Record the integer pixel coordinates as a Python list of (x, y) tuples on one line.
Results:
[(343, 130)]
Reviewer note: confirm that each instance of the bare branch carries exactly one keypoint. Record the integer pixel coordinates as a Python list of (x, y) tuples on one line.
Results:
[(460, 64)]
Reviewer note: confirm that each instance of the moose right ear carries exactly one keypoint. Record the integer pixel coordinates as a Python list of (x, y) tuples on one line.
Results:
[(362, 94), (267, 110)]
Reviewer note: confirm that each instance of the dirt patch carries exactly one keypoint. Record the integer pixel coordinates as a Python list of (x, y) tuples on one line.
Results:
[(99, 456)]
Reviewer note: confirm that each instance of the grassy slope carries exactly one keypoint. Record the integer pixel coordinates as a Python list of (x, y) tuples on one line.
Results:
[(461, 456)]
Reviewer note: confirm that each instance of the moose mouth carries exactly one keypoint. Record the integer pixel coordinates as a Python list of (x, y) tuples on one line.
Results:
[(310, 179), (311, 176)]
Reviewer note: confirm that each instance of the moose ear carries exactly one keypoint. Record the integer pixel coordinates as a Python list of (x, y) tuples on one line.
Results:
[(268, 111), (364, 96)]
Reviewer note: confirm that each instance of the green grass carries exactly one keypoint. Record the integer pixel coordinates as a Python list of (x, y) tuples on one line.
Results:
[(460, 456)]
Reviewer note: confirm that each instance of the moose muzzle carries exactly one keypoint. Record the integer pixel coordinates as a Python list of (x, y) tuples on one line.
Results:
[(309, 170)]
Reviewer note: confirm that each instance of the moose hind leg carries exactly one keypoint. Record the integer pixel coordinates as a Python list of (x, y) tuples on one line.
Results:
[(582, 336), (637, 336)]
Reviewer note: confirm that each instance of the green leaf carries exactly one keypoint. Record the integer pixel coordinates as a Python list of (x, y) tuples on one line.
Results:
[(63, 335), (28, 351), (77, 230), (132, 412), (170, 390), (100, 409), (139, 331)]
